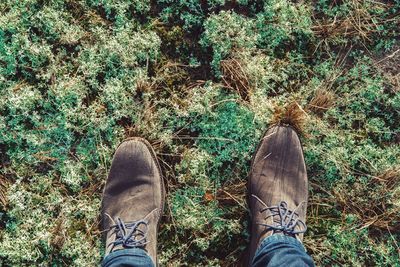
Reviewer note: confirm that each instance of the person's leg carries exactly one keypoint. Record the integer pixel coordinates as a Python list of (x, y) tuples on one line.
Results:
[(132, 205), (281, 250), (278, 186), (134, 257)]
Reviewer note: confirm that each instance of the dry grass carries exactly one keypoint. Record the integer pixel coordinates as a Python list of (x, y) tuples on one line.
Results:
[(372, 202), (232, 194), (292, 114), (143, 86), (360, 23), (3, 191), (387, 64), (321, 102), (58, 234), (235, 78)]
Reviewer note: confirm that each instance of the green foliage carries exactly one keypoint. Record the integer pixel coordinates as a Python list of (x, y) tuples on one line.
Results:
[(282, 23), (121, 12), (188, 12), (355, 248), (78, 76), (226, 32), (65, 88), (231, 142)]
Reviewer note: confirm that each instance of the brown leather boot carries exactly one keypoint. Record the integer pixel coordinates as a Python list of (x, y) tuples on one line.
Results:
[(133, 199), (278, 187)]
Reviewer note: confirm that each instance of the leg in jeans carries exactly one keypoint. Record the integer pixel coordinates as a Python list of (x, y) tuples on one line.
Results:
[(278, 186), (281, 250), (134, 257), (132, 205)]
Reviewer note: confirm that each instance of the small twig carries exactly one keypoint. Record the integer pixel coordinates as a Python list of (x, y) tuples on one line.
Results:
[(237, 201), (389, 56)]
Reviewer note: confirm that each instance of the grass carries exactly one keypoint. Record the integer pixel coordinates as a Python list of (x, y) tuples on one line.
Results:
[(201, 80)]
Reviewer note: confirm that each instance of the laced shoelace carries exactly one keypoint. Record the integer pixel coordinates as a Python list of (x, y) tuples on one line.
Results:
[(285, 220), (129, 235)]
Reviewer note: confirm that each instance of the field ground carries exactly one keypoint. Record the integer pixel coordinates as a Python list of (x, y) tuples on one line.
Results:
[(201, 80)]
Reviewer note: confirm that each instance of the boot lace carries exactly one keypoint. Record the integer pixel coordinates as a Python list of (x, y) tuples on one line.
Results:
[(129, 235), (285, 220)]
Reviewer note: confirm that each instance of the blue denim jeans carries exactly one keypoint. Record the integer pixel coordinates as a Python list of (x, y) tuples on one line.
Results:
[(276, 250), (135, 257), (281, 250)]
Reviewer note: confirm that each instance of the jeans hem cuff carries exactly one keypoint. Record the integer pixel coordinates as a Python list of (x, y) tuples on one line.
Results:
[(133, 252), (279, 238)]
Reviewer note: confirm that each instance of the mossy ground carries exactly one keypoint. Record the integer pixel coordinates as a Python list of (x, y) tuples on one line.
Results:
[(201, 80)]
